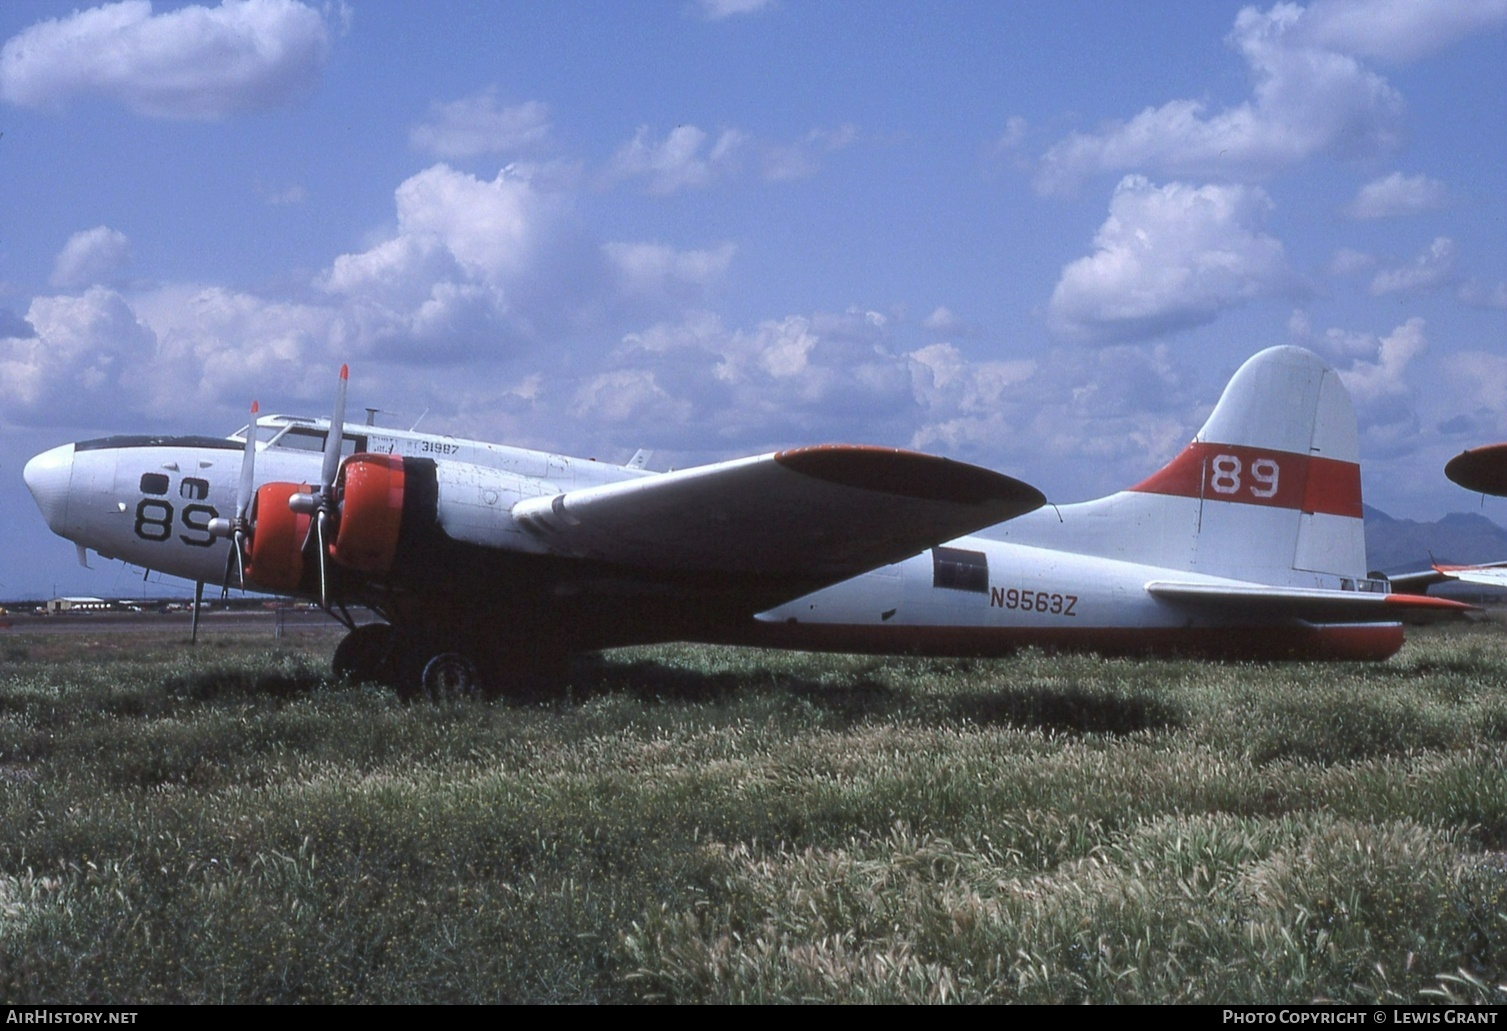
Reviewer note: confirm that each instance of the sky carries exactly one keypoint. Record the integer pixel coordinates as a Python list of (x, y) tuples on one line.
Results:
[(1037, 236)]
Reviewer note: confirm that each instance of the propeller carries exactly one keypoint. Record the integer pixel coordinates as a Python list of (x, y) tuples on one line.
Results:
[(239, 528), (320, 502)]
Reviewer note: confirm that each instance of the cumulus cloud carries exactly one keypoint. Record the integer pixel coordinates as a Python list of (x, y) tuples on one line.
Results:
[(93, 256), (695, 389), (216, 345), (492, 271), (960, 395), (476, 267), (1014, 134), (14, 326), (1398, 194), (1168, 258), (1434, 268), (1378, 372), (162, 355), (682, 160), (801, 378), (1077, 423), (477, 125), (689, 158), (81, 364), (1349, 262), (1477, 383), (656, 272), (624, 396), (1481, 295), (943, 322), (1398, 31), (1311, 96), (194, 62), (1375, 370), (784, 162)]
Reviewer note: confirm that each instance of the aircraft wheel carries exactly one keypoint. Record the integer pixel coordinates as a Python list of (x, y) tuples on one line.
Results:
[(449, 676), (365, 655)]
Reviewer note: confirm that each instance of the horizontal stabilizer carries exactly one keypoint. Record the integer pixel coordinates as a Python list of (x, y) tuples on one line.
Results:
[(1309, 603), (814, 515)]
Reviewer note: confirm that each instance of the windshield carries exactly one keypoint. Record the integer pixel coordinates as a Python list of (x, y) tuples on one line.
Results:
[(312, 438)]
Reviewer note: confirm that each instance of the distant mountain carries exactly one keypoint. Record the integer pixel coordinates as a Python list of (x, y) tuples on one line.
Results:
[(1396, 545)]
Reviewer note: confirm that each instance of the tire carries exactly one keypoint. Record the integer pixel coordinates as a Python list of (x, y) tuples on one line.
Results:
[(449, 677), (365, 655)]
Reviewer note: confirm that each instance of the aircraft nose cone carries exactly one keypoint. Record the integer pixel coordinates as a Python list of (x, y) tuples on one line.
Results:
[(47, 477)]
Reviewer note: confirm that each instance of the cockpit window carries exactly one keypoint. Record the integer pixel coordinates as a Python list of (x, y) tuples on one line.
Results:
[(310, 438)]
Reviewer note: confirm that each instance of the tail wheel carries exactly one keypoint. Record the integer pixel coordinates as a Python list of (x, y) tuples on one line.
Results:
[(449, 676)]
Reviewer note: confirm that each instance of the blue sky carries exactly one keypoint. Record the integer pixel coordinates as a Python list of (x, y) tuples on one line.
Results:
[(1037, 236)]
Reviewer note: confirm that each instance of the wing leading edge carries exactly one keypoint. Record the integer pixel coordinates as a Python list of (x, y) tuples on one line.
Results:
[(815, 514)]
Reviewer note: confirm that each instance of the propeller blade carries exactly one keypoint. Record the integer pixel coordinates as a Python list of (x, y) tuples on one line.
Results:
[(248, 463), (332, 442), (230, 560), (319, 540), (238, 549), (244, 487)]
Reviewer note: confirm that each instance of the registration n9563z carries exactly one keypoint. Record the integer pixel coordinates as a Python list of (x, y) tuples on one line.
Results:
[(1024, 600)]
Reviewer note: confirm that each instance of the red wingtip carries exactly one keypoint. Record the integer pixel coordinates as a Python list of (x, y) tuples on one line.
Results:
[(345, 372)]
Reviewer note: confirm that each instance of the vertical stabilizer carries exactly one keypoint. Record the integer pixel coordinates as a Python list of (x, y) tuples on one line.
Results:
[(1268, 491)]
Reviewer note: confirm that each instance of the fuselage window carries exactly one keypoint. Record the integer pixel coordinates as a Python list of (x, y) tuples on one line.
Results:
[(960, 570), (154, 483)]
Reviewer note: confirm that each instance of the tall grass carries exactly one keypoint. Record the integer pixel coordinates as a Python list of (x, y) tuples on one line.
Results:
[(697, 824)]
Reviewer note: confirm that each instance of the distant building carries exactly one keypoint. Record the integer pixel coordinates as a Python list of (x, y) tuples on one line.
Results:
[(58, 606)]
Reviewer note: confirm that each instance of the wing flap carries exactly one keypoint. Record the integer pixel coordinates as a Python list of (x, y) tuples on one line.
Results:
[(1308, 603), (815, 515)]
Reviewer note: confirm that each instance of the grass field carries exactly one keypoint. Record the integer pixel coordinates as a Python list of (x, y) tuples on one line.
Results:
[(710, 825)]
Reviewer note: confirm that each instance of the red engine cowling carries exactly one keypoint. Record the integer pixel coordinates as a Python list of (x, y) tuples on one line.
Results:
[(371, 513), (276, 560)]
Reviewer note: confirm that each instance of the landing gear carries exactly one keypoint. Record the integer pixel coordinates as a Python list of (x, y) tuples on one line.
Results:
[(449, 677), (442, 668), (367, 654)]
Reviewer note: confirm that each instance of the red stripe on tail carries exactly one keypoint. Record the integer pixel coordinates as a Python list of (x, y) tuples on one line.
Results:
[(1253, 476)]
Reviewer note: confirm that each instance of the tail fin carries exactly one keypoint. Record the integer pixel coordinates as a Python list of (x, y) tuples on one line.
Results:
[(1268, 491)]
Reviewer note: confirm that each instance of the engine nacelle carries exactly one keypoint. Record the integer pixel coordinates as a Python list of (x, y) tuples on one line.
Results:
[(276, 560), (371, 512)]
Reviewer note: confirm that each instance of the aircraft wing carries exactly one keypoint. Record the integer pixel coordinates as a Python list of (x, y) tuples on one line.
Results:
[(1313, 604), (1492, 574), (1417, 582), (814, 515), (1482, 469)]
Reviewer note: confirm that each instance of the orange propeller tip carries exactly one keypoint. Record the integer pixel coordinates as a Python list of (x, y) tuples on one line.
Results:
[(345, 372)]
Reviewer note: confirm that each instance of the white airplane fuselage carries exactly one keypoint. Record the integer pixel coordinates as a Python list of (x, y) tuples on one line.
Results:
[(148, 500)]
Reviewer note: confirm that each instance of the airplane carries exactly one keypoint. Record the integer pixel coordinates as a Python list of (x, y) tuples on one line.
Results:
[(491, 566), (1483, 470)]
